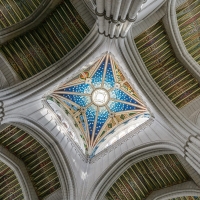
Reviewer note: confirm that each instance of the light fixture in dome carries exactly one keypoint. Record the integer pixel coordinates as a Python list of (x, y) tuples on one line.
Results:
[(100, 97)]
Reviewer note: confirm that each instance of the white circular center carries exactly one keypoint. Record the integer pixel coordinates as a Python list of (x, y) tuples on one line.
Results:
[(100, 97)]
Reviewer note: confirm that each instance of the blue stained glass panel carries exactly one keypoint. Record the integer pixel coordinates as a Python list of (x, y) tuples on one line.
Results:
[(80, 100), (118, 106), (84, 94), (91, 114), (70, 105), (103, 115), (109, 81), (83, 122), (118, 94), (98, 75), (81, 88)]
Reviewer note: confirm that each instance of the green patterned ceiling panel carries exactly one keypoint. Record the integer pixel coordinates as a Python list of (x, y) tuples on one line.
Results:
[(170, 75), (186, 198), (35, 157), (49, 42), (14, 11), (144, 177), (188, 17), (9, 185)]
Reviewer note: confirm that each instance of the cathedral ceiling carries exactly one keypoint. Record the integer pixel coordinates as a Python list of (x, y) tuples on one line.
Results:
[(37, 49), (146, 176), (166, 70), (116, 100), (35, 158), (9, 184), (188, 18)]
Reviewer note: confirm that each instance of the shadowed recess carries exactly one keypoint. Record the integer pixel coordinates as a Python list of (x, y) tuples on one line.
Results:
[(166, 70), (188, 17), (35, 157), (9, 184), (14, 11), (37, 49), (99, 100), (146, 176)]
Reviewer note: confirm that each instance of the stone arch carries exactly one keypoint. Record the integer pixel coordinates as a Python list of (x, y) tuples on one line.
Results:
[(19, 172), (187, 189), (110, 175), (54, 151)]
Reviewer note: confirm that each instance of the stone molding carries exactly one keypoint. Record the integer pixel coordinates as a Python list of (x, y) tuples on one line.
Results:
[(10, 74), (175, 38), (190, 170), (159, 104), (73, 143), (57, 195), (21, 173), (1, 111), (157, 100), (110, 175), (121, 140), (115, 18), (90, 5), (59, 72), (184, 189), (55, 152), (186, 136)]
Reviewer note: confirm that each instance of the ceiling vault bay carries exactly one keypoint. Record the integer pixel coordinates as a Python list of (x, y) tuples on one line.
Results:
[(188, 18), (35, 158), (54, 39), (154, 173), (43, 46), (167, 71)]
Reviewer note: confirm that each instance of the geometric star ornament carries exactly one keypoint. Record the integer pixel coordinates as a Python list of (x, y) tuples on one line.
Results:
[(99, 100)]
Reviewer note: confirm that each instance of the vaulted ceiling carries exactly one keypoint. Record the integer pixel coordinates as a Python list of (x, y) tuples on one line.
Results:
[(41, 47), (99, 99), (166, 70), (189, 22)]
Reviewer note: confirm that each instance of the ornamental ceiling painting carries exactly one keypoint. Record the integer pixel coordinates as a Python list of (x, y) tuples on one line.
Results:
[(99, 100)]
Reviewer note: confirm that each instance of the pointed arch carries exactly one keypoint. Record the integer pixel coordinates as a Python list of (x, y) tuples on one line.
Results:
[(55, 155), (109, 176)]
